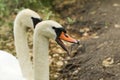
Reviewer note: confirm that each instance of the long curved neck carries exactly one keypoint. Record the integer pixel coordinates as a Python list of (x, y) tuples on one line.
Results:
[(22, 50), (41, 62)]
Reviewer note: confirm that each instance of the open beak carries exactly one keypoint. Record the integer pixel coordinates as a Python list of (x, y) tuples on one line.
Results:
[(65, 37)]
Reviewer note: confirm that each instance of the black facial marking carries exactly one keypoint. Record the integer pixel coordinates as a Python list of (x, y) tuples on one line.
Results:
[(59, 30), (58, 40), (35, 21)]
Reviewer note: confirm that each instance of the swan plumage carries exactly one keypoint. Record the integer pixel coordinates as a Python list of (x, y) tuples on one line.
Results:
[(21, 22), (44, 31), (16, 69), (9, 67)]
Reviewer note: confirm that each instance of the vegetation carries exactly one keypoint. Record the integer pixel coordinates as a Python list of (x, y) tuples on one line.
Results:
[(7, 7), (8, 11)]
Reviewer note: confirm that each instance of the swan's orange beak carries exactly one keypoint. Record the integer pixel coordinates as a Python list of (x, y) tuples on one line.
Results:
[(67, 38)]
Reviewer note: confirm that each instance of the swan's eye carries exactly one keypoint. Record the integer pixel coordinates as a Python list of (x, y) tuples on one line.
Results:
[(53, 27)]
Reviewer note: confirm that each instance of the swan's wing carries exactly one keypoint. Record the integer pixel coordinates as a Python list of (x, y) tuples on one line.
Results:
[(9, 67)]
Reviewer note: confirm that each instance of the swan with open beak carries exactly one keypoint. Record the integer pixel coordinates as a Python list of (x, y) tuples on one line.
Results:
[(62, 35)]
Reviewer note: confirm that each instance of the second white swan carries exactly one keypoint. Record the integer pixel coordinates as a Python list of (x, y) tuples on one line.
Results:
[(44, 31)]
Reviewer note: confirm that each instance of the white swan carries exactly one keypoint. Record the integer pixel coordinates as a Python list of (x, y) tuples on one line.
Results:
[(9, 67), (44, 31), (22, 21)]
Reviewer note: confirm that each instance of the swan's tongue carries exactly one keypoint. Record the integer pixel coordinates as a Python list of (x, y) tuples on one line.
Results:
[(65, 37)]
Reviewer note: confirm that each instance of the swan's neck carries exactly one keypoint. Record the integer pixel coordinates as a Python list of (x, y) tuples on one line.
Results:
[(41, 62), (22, 50)]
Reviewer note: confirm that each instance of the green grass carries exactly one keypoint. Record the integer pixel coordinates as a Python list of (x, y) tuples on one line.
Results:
[(7, 7)]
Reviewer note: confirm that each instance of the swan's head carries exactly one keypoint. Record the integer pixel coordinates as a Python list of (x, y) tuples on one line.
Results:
[(24, 18), (53, 30)]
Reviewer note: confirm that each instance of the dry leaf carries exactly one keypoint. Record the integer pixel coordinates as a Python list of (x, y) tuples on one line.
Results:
[(59, 63), (117, 26), (108, 62), (116, 5)]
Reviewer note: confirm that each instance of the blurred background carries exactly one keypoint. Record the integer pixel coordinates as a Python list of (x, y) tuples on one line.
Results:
[(84, 20)]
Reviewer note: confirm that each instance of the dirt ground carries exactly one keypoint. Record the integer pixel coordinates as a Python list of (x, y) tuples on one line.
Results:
[(97, 24)]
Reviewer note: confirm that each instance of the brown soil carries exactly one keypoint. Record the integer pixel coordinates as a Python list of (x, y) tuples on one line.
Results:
[(100, 58)]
